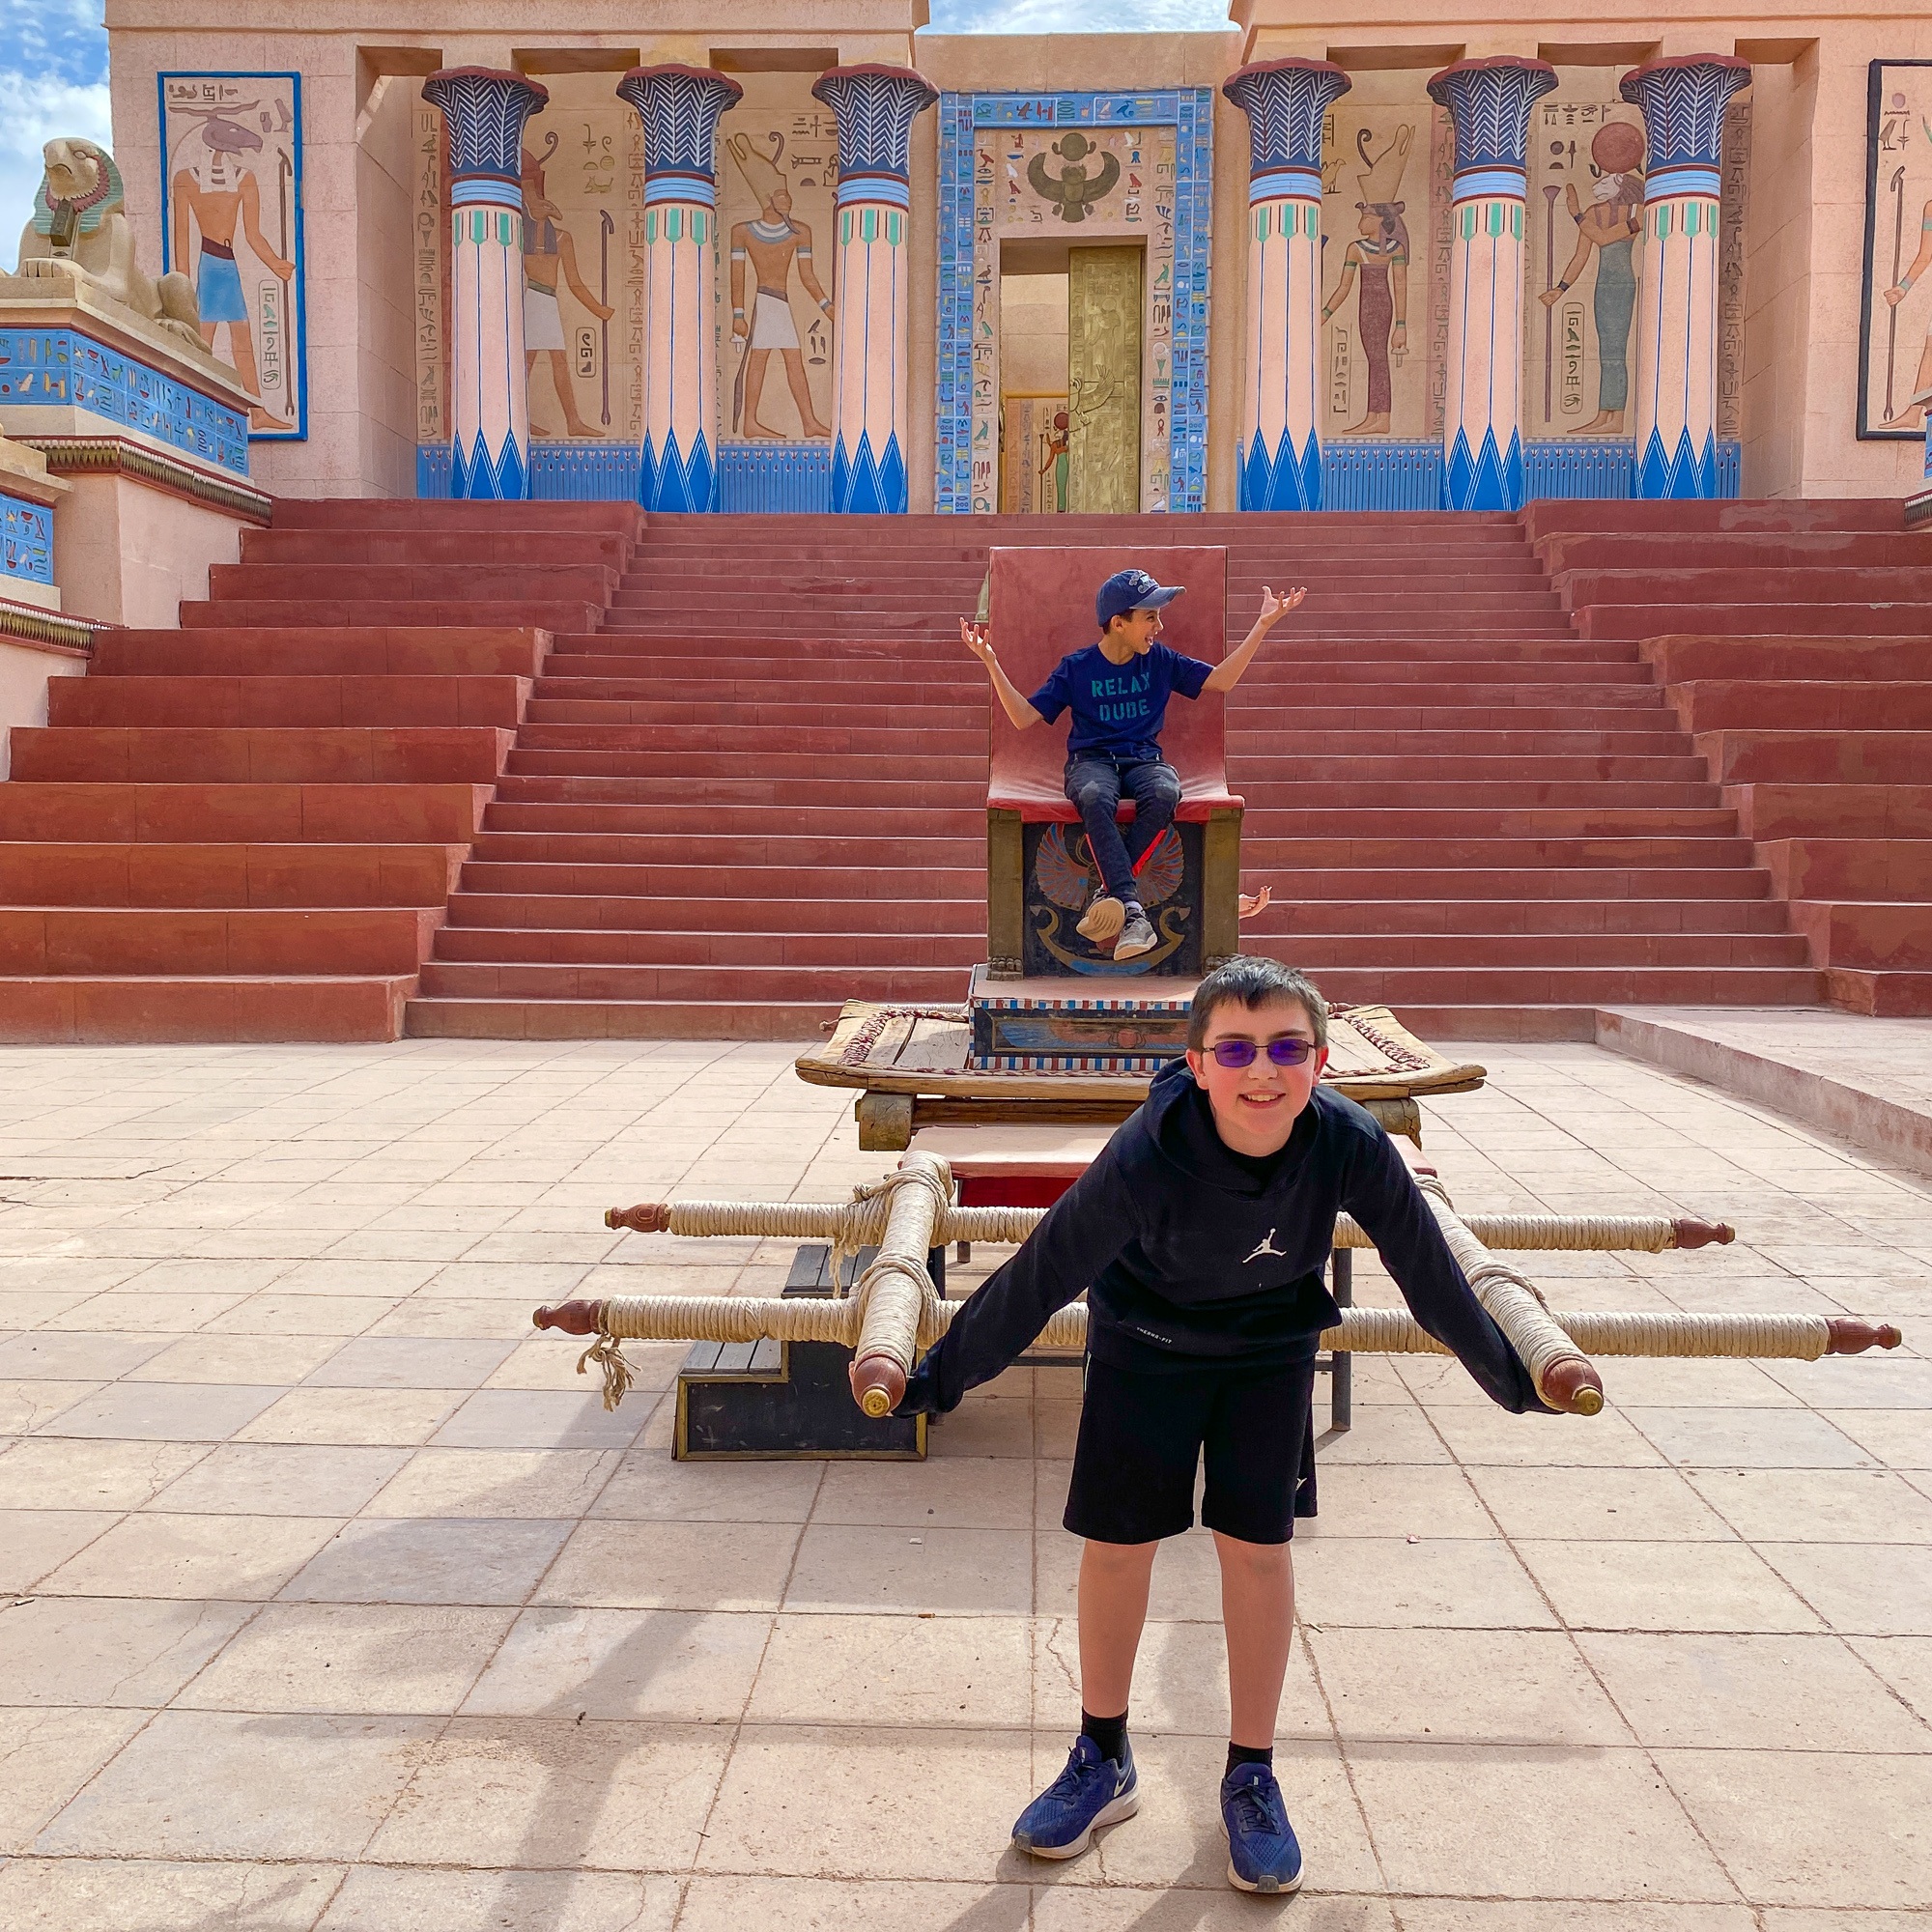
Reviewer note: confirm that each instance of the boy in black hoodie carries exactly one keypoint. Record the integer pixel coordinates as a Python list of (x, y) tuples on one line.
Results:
[(1201, 1234)]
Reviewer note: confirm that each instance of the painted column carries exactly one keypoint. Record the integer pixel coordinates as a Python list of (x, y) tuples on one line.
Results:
[(679, 107), (1682, 100), (489, 409), (1285, 102), (875, 107), (1489, 102)]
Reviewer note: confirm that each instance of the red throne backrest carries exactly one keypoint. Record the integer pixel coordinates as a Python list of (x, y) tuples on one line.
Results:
[(1042, 606)]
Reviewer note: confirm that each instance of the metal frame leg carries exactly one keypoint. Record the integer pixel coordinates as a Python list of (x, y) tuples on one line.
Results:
[(1342, 1363)]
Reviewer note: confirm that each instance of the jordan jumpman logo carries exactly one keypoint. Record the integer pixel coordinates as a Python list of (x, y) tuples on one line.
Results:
[(1267, 1247)]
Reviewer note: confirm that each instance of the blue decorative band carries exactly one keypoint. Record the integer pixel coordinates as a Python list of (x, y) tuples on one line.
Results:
[(60, 368), (1278, 184), (1664, 183), (890, 189), (26, 539), (1485, 184), (487, 191), (698, 189)]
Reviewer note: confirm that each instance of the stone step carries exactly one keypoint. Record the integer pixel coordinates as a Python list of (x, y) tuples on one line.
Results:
[(547, 613), (191, 814), (378, 754), (128, 1009), (1896, 870), (93, 941), (1677, 659), (60, 872), (1752, 618), (1718, 704), (1817, 757), (400, 651), (241, 702), (495, 917), (1781, 810)]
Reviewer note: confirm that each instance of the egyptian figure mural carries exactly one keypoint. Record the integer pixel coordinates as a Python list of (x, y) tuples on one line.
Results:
[(1897, 318), (1585, 203), (1381, 203), (231, 149), (778, 164), (584, 282)]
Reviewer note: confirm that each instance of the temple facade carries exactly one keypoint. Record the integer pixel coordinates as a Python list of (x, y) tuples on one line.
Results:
[(821, 259)]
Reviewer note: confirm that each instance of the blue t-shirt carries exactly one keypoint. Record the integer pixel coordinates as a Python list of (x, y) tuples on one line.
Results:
[(1118, 709)]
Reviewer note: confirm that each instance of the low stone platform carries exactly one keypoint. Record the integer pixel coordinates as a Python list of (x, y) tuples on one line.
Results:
[(336, 1600)]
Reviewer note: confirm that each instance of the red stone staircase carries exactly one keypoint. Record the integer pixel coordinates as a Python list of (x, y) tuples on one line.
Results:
[(711, 778), (249, 828), (1792, 643)]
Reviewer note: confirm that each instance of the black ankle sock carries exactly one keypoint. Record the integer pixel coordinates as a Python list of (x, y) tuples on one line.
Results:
[(1240, 1754), (1110, 1734)]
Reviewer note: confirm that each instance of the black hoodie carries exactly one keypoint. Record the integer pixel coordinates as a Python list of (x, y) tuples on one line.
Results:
[(1191, 1253)]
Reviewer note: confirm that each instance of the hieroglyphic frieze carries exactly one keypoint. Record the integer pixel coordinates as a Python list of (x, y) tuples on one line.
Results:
[(429, 266)]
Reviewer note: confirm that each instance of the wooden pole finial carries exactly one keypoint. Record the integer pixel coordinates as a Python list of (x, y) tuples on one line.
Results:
[(647, 1217)]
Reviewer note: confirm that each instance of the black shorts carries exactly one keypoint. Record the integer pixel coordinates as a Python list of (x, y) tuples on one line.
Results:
[(1141, 1439)]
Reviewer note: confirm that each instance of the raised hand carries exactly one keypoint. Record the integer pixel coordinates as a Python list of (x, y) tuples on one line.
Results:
[(1274, 607), (974, 637), (1248, 904)]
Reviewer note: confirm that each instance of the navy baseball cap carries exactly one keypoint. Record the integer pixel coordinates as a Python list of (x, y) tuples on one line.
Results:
[(1132, 590)]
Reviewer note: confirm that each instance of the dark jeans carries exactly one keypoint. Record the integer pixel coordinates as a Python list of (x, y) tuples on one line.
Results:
[(1097, 783)]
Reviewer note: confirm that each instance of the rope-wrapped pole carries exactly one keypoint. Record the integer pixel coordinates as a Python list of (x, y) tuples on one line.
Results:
[(1389, 1331), (893, 1292), (1563, 1375), (862, 1223)]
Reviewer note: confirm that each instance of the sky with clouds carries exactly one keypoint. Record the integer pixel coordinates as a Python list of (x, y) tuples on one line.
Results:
[(53, 68)]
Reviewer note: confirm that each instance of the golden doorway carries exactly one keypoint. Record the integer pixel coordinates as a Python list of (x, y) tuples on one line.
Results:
[(1103, 379)]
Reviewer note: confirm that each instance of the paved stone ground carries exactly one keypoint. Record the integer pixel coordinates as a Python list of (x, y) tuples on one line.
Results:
[(335, 1599)]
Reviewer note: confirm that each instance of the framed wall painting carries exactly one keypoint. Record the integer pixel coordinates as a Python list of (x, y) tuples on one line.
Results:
[(1895, 306), (232, 222)]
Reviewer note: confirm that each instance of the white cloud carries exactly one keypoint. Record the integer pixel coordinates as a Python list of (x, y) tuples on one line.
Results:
[(1077, 16), (34, 111)]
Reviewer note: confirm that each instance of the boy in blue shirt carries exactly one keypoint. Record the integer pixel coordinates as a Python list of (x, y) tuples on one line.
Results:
[(1118, 690)]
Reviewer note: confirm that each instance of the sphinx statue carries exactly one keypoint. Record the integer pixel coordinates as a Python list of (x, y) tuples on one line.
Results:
[(79, 224)]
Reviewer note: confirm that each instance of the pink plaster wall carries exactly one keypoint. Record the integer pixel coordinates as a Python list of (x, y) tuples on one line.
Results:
[(24, 671), (127, 553)]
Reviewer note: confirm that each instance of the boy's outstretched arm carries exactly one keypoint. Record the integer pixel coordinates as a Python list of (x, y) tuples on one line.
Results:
[(1083, 1230), (1012, 702), (1226, 674), (1383, 1197)]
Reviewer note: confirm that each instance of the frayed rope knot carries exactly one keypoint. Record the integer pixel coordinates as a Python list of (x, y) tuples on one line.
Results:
[(618, 1375)]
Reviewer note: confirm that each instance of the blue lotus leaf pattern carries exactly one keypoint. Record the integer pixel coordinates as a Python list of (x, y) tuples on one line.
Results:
[(1684, 108), (875, 110), (1489, 104), (484, 112), (1286, 106), (680, 109)]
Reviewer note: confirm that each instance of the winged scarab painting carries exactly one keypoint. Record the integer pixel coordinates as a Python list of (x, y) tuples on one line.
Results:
[(1061, 879)]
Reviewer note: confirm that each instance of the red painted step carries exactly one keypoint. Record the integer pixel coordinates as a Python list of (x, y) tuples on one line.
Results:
[(250, 827)]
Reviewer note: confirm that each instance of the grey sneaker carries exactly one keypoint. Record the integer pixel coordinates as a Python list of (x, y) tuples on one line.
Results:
[(1102, 919), (1137, 936)]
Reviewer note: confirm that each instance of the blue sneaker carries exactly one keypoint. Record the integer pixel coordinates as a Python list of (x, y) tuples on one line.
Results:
[(1090, 1792), (1262, 1854)]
